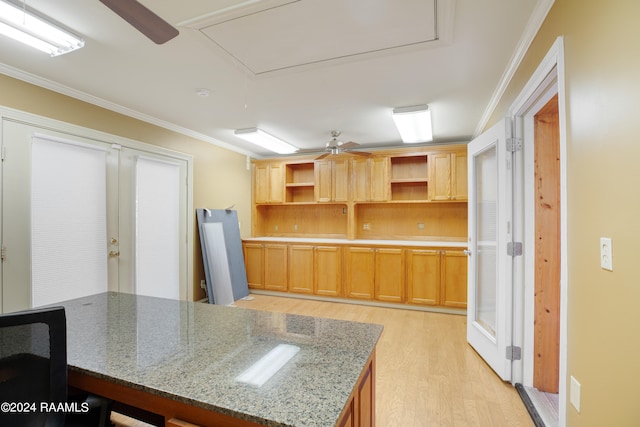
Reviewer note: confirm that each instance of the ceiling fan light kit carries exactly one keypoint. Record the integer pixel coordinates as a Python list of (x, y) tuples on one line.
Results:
[(413, 123), (27, 26), (261, 138)]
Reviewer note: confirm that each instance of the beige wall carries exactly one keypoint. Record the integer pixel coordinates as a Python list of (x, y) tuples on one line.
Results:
[(602, 54), (220, 176)]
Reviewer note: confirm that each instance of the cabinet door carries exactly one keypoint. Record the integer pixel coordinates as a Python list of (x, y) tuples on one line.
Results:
[(275, 267), (360, 179), (328, 270), (459, 176), (323, 180), (379, 179), (254, 264), (454, 279), (440, 176), (301, 268), (360, 272), (340, 180), (276, 183), (423, 277), (389, 275), (261, 183)]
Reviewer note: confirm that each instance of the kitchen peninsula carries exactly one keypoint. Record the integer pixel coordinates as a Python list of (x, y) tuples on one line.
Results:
[(184, 360)]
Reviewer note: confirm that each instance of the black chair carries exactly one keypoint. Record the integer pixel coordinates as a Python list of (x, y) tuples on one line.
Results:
[(33, 372)]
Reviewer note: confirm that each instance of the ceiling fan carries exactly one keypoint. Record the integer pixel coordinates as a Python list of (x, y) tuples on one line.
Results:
[(143, 19), (334, 146)]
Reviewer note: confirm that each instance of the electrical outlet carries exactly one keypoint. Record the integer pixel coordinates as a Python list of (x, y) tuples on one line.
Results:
[(275, 228), (365, 226), (295, 227), (203, 284), (574, 393), (606, 254)]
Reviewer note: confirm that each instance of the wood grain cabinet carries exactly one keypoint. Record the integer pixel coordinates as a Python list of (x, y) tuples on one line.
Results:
[(437, 277), (448, 177), (370, 179), (454, 279), (375, 273), (268, 182), (423, 276), (315, 269), (266, 265), (332, 180)]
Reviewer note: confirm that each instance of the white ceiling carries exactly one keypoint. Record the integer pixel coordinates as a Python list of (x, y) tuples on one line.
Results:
[(294, 68)]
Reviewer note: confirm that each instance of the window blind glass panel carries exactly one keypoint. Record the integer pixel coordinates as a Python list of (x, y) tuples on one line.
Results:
[(68, 220), (157, 199)]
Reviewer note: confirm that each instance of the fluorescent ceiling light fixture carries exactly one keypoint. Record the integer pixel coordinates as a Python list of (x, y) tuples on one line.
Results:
[(413, 123), (28, 27), (260, 372), (264, 140)]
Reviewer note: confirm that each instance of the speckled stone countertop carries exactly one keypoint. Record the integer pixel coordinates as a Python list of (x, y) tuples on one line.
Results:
[(192, 352)]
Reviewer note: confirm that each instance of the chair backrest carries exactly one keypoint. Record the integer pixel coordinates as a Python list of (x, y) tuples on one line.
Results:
[(33, 366)]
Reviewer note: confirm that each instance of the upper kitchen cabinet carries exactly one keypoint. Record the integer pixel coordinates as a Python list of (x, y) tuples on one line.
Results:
[(332, 180), (448, 176), (370, 179), (409, 178), (268, 182)]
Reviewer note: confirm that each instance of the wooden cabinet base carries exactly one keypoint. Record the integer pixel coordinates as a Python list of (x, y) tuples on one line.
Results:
[(358, 412)]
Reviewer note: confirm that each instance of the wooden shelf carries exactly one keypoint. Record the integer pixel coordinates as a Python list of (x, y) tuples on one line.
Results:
[(408, 180), (299, 184)]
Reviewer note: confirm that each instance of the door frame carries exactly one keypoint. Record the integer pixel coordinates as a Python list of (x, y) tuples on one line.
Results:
[(546, 81), (58, 126)]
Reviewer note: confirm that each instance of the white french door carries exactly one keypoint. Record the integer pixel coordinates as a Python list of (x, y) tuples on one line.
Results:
[(489, 308), (78, 209)]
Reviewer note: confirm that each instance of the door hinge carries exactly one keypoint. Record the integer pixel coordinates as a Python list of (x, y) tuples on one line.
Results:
[(514, 353), (3, 153), (514, 144), (514, 248), (3, 253)]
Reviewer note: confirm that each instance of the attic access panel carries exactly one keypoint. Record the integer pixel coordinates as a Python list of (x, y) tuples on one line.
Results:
[(305, 32)]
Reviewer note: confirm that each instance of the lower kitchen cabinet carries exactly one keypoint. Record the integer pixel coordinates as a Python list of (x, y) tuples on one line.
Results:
[(389, 275), (266, 266), (402, 275), (437, 277), (375, 273), (328, 270), (315, 270), (454, 279), (254, 264), (275, 267), (423, 276), (301, 268), (360, 272)]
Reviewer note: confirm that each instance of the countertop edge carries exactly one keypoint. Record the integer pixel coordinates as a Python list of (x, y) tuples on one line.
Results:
[(355, 242)]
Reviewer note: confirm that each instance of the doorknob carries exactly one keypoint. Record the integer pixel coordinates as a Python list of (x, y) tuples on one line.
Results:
[(467, 252), (114, 254), (113, 241)]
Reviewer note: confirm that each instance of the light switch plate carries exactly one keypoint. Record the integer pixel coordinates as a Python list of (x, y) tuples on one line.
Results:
[(574, 393), (606, 253)]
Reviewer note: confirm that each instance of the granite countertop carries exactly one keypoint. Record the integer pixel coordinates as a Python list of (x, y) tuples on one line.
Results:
[(193, 352), (444, 243)]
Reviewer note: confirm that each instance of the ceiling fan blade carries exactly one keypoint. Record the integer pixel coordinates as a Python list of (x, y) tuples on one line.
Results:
[(349, 144), (143, 19)]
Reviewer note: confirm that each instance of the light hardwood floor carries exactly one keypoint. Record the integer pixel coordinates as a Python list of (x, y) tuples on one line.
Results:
[(427, 374)]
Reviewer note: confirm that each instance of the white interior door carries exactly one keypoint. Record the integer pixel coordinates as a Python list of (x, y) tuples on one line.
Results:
[(489, 309)]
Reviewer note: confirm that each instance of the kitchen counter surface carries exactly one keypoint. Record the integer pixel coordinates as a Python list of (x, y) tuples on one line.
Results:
[(445, 243), (193, 352)]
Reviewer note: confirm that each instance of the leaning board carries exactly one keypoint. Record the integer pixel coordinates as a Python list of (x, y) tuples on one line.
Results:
[(222, 255)]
